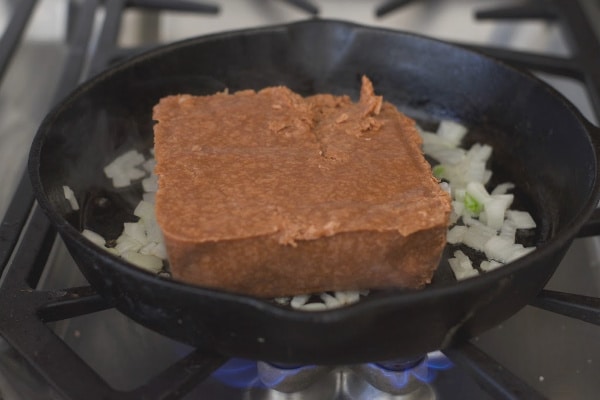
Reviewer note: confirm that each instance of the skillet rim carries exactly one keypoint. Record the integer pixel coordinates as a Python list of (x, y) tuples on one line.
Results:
[(397, 297)]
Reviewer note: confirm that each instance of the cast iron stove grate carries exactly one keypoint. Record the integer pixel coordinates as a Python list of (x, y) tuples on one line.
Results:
[(26, 237)]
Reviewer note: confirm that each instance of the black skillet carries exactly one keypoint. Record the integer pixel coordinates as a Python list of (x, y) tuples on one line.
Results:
[(540, 142)]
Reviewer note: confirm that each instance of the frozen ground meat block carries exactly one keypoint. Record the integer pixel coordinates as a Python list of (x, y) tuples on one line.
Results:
[(269, 193)]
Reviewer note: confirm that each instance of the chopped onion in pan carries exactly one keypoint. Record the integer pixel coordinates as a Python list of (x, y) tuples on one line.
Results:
[(452, 131), (70, 196), (461, 266), (93, 237), (140, 243), (480, 219), (521, 219), (125, 168), (151, 263), (489, 265), (322, 301)]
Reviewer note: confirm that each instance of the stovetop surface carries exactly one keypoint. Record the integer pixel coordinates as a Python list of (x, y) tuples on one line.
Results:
[(556, 355)]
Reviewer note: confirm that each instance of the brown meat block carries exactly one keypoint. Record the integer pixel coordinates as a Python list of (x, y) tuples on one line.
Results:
[(270, 194)]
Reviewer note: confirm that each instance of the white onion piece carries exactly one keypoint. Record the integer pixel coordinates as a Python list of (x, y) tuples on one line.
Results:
[(324, 301), (503, 188), (330, 301), (145, 261), (445, 155), (495, 208), (149, 197), (461, 266), (489, 265), (126, 243), (508, 230), (480, 152), (458, 208), (70, 196), (501, 249), (145, 211), (284, 301), (313, 307), (149, 165), (148, 248), (445, 186), (456, 234), (348, 296), (521, 219), (135, 173), (160, 251), (478, 192), (123, 169), (452, 131), (299, 301), (94, 237), (150, 184), (136, 231), (470, 221), (476, 237)]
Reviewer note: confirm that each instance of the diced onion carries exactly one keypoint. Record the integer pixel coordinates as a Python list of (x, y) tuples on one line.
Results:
[(456, 234), (478, 192), (476, 236), (70, 196), (495, 209), (123, 169), (461, 266), (329, 300), (508, 230), (314, 307), (299, 301), (322, 301), (501, 249), (94, 237), (126, 243), (489, 265), (480, 219), (150, 184), (452, 131), (503, 188), (145, 261), (488, 225), (521, 219), (136, 231)]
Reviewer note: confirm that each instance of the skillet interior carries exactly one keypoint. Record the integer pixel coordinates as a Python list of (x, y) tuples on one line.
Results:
[(539, 141)]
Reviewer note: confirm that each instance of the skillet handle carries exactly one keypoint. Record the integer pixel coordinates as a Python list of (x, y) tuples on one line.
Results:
[(592, 226)]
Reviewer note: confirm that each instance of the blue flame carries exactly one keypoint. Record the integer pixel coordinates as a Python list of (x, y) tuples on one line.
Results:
[(425, 372), (438, 361), (243, 373), (238, 373), (398, 378), (284, 373)]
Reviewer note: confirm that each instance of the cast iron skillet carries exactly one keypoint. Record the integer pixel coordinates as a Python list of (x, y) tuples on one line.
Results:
[(540, 142)]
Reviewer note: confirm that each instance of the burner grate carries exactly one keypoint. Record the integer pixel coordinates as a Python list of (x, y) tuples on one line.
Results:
[(26, 311)]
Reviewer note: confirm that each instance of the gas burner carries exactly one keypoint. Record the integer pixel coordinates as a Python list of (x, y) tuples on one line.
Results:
[(289, 378), (398, 377), (406, 379), (403, 378)]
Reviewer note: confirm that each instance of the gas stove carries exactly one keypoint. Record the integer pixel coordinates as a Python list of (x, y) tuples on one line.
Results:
[(77, 346)]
